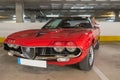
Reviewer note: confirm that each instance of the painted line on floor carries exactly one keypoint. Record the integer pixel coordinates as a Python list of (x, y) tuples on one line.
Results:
[(100, 73)]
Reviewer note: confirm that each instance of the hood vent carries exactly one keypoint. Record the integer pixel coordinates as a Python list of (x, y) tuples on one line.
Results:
[(39, 34)]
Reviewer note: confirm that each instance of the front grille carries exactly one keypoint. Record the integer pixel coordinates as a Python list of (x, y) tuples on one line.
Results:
[(52, 52), (29, 52), (47, 52)]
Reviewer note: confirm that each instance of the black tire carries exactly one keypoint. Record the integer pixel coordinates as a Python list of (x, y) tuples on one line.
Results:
[(88, 61), (97, 45)]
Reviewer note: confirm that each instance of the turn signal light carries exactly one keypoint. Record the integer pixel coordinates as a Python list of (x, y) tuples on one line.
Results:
[(64, 43), (70, 43)]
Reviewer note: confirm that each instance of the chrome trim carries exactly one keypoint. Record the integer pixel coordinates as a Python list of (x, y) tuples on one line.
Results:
[(50, 57), (26, 55), (43, 51), (16, 53)]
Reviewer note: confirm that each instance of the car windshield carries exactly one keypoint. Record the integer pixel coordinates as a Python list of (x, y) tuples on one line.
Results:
[(66, 23)]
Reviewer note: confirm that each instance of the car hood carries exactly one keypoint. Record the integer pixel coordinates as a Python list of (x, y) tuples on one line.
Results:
[(49, 33), (46, 35)]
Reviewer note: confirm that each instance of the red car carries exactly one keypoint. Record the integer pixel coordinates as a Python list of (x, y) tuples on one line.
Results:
[(62, 41)]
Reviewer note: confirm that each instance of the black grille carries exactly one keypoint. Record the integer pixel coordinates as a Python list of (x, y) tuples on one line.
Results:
[(52, 52)]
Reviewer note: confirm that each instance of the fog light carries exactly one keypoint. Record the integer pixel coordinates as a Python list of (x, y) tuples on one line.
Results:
[(10, 45), (64, 59), (10, 54), (16, 46)]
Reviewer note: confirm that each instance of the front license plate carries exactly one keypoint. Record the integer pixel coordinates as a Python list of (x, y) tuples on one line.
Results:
[(35, 63)]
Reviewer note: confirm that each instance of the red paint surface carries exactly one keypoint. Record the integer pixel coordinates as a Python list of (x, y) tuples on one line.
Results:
[(82, 38)]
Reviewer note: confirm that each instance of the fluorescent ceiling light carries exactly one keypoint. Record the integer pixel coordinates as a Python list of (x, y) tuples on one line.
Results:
[(84, 15), (83, 7), (101, 0), (52, 15), (71, 0), (82, 11), (105, 4), (55, 4), (93, 4), (44, 6)]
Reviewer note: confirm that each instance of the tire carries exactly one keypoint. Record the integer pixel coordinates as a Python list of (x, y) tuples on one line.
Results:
[(88, 61), (97, 45)]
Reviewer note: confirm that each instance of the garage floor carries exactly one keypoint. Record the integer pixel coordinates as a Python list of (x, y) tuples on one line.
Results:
[(106, 67)]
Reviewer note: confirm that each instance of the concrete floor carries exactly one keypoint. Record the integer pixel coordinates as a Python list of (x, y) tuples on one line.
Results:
[(106, 67)]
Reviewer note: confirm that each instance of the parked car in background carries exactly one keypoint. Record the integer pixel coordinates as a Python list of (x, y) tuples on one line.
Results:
[(62, 41)]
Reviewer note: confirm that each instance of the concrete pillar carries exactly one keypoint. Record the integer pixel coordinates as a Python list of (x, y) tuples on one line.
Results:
[(19, 11), (116, 12), (33, 18)]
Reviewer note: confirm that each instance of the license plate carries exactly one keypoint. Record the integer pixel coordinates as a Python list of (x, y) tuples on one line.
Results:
[(34, 63)]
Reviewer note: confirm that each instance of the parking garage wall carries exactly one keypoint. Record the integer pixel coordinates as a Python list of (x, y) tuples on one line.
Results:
[(110, 31)]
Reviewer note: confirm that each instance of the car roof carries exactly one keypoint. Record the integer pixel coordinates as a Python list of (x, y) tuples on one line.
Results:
[(73, 17)]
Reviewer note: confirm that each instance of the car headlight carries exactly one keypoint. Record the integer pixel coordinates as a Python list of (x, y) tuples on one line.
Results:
[(10, 45), (71, 49), (13, 46), (16, 46), (58, 49)]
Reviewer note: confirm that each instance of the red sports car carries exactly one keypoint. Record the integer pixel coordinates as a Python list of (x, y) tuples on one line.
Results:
[(62, 41)]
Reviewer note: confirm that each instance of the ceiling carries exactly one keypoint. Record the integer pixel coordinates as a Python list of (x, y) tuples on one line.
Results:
[(65, 7), (64, 4), (74, 4)]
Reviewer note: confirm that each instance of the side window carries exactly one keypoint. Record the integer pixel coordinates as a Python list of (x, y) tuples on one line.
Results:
[(55, 23), (86, 24)]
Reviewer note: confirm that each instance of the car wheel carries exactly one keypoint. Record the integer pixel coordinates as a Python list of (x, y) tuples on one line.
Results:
[(97, 45), (87, 63)]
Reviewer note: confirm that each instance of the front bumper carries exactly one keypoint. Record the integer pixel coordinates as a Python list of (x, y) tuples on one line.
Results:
[(48, 54)]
